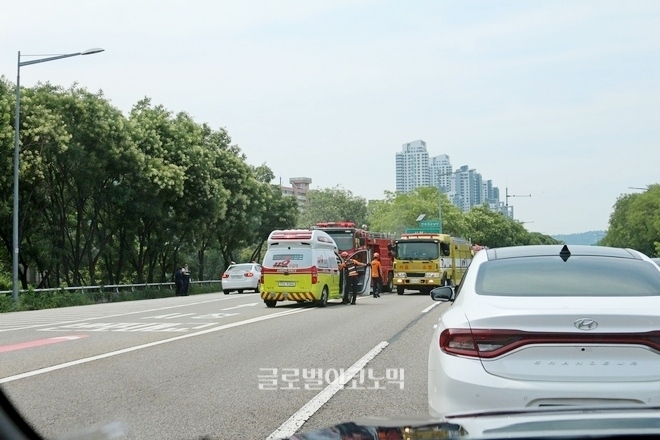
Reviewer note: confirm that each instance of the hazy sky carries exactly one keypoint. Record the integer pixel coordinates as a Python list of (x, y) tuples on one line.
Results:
[(557, 99)]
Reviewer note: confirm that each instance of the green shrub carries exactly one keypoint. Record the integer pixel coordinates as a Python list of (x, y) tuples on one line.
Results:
[(6, 303), (31, 300)]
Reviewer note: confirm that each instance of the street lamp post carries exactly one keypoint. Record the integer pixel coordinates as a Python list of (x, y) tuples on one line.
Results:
[(507, 196), (15, 242)]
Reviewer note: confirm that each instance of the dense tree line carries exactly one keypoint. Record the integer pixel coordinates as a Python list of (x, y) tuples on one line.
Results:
[(635, 222), (110, 198), (399, 211)]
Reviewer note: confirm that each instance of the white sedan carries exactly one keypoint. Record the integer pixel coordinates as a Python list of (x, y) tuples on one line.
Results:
[(241, 277), (534, 326)]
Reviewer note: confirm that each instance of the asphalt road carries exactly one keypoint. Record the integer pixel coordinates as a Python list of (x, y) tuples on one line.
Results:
[(221, 366)]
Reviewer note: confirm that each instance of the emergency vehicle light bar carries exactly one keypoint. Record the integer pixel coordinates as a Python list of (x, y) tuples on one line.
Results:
[(292, 236), (335, 225)]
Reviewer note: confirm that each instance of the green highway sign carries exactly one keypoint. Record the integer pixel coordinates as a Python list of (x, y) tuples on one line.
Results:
[(430, 224)]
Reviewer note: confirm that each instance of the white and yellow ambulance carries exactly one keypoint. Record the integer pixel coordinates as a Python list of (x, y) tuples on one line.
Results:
[(300, 265)]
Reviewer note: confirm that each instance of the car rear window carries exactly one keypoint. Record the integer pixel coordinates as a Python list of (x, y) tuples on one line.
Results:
[(577, 276), (240, 268)]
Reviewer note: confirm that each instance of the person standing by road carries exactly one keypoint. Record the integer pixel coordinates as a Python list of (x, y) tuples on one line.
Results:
[(350, 266), (185, 273), (178, 281), (376, 275)]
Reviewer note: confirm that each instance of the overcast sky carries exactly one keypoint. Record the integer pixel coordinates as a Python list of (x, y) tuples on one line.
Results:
[(557, 99)]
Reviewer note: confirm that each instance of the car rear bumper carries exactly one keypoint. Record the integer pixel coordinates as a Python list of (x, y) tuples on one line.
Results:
[(246, 284), (290, 296), (458, 384)]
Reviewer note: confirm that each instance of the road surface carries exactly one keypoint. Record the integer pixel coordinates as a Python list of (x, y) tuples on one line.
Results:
[(214, 365)]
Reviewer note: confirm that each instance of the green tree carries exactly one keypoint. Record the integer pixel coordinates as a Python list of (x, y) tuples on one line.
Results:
[(399, 211), (277, 212), (635, 222), (493, 229), (333, 204), (538, 238)]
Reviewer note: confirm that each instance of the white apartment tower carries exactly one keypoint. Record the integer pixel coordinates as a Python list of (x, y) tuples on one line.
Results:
[(412, 167), (441, 173)]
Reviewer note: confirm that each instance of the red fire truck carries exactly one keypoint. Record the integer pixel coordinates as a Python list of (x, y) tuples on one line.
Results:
[(361, 245)]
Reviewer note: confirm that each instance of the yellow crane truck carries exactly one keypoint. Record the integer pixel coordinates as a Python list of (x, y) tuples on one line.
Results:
[(425, 260)]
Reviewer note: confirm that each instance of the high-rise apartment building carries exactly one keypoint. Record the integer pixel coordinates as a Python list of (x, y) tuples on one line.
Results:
[(440, 170), (468, 190), (412, 167), (464, 187)]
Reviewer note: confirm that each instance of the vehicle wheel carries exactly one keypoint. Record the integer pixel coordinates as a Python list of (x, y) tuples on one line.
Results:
[(226, 292), (389, 287), (444, 279), (240, 290), (324, 298), (399, 290), (270, 302), (258, 289)]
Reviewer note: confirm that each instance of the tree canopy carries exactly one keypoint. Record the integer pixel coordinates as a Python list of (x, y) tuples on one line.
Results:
[(635, 222), (108, 198)]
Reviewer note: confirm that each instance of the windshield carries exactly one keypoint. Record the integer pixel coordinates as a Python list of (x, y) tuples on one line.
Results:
[(240, 268), (420, 250), (578, 276), (344, 239)]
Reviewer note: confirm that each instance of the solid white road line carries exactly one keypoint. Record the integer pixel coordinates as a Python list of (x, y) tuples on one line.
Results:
[(150, 344), (430, 307), (294, 422)]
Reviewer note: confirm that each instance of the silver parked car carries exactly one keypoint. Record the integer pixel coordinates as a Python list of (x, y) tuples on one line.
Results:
[(241, 277)]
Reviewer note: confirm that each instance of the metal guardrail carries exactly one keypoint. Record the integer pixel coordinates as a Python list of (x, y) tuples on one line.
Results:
[(114, 288)]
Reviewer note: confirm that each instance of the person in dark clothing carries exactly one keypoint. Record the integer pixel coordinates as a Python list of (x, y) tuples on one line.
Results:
[(182, 280), (186, 279), (178, 281), (350, 266)]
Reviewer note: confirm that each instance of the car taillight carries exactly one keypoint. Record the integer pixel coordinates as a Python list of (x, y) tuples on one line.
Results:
[(225, 275), (491, 343), (248, 274), (315, 275), (480, 343)]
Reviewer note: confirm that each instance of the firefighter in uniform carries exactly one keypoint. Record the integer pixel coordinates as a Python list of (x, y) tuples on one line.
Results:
[(350, 266), (376, 277)]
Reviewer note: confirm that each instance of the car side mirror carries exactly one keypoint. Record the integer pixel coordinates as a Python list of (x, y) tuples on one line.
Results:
[(444, 294)]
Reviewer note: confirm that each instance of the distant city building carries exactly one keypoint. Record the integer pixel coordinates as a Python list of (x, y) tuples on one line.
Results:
[(412, 167), (464, 187), (468, 190), (440, 170), (298, 189)]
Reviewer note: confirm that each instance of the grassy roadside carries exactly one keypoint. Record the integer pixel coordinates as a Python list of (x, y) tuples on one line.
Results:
[(31, 300)]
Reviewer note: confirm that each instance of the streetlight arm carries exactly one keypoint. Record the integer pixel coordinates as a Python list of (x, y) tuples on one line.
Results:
[(59, 57)]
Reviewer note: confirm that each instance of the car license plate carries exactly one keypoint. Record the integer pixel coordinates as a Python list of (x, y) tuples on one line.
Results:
[(287, 283), (415, 281), (236, 276)]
